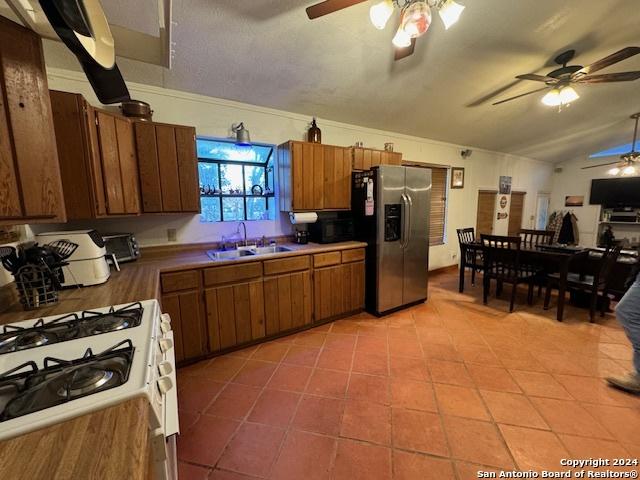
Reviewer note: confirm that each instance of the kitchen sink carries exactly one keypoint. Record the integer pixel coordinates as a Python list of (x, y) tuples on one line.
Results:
[(245, 252), (270, 249), (229, 254)]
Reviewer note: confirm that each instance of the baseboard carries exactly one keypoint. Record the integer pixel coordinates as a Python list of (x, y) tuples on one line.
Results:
[(448, 269)]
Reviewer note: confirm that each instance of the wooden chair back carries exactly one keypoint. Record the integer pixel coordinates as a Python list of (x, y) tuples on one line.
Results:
[(531, 238), (501, 256), (466, 235), (605, 266)]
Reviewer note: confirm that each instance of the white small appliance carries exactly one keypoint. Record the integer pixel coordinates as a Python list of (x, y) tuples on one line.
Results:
[(88, 264)]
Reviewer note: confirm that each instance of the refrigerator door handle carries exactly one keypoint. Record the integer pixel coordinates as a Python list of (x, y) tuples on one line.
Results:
[(410, 210), (404, 239)]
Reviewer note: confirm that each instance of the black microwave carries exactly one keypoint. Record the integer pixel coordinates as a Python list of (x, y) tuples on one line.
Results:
[(332, 230)]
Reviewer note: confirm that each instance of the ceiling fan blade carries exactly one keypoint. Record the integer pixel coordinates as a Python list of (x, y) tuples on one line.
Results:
[(405, 51), (600, 165), (607, 61), (610, 77), (537, 78), (330, 6), (521, 95)]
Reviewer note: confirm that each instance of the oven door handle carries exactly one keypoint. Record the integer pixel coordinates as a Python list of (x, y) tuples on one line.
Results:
[(171, 421)]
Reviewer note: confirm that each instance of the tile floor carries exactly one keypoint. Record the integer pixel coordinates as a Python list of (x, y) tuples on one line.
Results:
[(438, 391)]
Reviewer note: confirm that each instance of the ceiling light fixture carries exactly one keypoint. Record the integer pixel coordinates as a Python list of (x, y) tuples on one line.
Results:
[(242, 135), (416, 19), (450, 12), (560, 96), (614, 171), (629, 170), (380, 13), (401, 39)]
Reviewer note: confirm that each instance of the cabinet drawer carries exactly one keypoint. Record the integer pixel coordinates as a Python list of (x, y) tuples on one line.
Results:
[(173, 282), (293, 264), (354, 255), (326, 259), (232, 273)]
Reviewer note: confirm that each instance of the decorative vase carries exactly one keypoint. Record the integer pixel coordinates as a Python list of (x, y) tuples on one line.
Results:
[(314, 134)]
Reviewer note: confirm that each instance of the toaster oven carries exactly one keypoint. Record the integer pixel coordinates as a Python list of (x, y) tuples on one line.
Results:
[(123, 246)]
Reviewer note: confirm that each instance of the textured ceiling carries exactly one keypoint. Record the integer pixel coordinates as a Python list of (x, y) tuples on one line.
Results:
[(266, 52)]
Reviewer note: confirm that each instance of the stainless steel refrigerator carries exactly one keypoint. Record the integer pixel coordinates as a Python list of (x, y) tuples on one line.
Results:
[(390, 205)]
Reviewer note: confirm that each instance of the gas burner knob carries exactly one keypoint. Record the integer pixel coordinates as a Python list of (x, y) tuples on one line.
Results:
[(164, 385), (165, 327), (165, 368), (165, 317), (165, 344)]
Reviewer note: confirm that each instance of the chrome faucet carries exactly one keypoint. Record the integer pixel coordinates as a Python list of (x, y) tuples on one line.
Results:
[(242, 224)]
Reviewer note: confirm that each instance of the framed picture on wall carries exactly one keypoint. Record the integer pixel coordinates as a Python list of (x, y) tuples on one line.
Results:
[(574, 201), (505, 185), (457, 177)]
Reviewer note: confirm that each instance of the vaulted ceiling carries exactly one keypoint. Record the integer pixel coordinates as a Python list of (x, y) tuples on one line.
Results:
[(266, 52)]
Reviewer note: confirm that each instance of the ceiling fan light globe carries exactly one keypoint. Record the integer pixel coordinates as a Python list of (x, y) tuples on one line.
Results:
[(450, 13), (568, 95), (629, 170), (380, 13), (401, 39), (552, 98), (614, 171), (416, 19)]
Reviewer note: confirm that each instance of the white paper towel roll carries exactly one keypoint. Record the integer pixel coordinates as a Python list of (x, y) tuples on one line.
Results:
[(303, 217)]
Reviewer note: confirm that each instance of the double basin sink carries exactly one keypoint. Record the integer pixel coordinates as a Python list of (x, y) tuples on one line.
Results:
[(245, 252)]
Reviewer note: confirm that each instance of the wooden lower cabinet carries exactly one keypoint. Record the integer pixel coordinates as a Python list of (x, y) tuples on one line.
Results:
[(288, 302), (338, 290), (188, 324), (235, 314)]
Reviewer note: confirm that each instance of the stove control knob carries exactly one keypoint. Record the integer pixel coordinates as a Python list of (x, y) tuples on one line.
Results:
[(165, 368), (165, 327), (164, 385), (165, 344), (165, 317)]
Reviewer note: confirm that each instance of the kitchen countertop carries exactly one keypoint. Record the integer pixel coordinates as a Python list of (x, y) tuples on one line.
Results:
[(110, 444), (140, 280)]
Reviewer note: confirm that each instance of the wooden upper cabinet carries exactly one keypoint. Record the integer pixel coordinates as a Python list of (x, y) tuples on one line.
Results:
[(367, 158), (314, 177), (168, 168), (97, 156), (30, 186)]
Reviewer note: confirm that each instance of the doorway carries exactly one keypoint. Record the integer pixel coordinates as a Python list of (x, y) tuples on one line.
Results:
[(486, 211), (542, 211), (516, 212)]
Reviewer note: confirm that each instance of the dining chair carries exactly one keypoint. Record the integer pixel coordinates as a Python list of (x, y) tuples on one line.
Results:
[(469, 257), (592, 284), (531, 238), (502, 263)]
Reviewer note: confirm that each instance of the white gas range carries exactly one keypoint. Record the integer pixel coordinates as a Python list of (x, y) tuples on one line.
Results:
[(56, 368)]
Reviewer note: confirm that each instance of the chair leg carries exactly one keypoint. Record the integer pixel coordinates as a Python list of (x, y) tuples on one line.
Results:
[(530, 293), (473, 276), (547, 296), (485, 289), (592, 304), (513, 297), (603, 303), (540, 289), (499, 288), (461, 282)]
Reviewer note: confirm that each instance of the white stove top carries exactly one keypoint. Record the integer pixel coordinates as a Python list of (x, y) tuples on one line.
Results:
[(140, 379)]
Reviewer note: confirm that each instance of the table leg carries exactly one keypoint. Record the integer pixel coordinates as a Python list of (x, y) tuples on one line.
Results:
[(562, 288)]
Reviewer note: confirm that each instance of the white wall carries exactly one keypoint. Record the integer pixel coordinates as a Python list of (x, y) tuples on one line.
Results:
[(213, 117)]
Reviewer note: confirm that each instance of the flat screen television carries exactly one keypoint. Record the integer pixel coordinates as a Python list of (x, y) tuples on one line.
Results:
[(615, 192)]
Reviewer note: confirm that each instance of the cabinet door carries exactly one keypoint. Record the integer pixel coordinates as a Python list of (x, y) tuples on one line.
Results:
[(110, 160), (328, 291), (353, 285), (147, 152), (235, 314), (288, 301), (188, 168), (337, 178), (188, 324), (128, 165), (168, 165), (27, 127), (307, 170)]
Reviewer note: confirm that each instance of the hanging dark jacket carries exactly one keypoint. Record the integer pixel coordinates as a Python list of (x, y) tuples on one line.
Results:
[(566, 236)]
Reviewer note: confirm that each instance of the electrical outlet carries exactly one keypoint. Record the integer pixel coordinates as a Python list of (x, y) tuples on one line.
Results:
[(172, 235)]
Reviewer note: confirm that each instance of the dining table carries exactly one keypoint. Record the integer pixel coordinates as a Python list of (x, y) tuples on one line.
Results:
[(551, 258)]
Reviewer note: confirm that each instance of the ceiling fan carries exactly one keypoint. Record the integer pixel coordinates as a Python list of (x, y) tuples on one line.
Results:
[(627, 163), (415, 17), (559, 82)]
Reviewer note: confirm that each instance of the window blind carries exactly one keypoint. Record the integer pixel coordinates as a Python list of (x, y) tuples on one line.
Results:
[(437, 220)]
